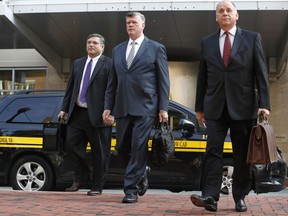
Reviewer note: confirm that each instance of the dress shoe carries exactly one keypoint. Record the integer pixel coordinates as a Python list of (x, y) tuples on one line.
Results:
[(143, 184), (76, 186), (94, 192), (240, 206), (130, 198), (207, 202)]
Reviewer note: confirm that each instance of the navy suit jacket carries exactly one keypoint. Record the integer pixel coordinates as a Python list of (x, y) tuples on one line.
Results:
[(143, 89), (99, 93), (243, 85)]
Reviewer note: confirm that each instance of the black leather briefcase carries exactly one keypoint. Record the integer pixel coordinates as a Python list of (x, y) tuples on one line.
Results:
[(54, 134)]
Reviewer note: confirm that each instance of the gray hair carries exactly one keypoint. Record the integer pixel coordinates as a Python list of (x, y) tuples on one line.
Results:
[(101, 38), (133, 14), (225, 1)]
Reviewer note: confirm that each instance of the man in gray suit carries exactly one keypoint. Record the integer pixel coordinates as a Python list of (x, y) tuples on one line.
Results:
[(142, 94), (227, 98), (87, 95)]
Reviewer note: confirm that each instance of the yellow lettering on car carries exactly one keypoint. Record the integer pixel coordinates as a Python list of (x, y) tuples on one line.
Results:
[(20, 142), (180, 145)]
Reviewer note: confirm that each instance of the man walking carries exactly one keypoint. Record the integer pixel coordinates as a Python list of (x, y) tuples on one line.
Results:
[(87, 95), (141, 68), (227, 98)]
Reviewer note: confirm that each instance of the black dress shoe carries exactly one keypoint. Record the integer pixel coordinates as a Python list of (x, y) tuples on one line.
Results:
[(143, 184), (76, 186), (130, 198), (207, 202), (94, 192), (240, 206)]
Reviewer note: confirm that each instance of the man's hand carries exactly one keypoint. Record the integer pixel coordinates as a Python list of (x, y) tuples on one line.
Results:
[(265, 112), (163, 116), (62, 116), (200, 118), (107, 118)]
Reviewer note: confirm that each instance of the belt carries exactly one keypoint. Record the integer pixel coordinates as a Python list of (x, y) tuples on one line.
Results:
[(79, 107)]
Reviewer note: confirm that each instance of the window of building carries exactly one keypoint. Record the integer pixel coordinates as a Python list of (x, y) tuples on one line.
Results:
[(15, 79)]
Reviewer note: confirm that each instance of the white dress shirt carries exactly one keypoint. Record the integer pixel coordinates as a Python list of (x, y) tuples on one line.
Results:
[(222, 36), (137, 45)]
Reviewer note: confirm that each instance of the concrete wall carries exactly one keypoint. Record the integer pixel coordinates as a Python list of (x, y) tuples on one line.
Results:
[(278, 118), (183, 77)]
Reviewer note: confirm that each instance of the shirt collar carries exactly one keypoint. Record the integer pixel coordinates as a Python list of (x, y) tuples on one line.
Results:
[(93, 59), (138, 41), (232, 31)]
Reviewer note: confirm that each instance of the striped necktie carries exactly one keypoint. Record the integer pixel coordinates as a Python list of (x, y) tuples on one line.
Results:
[(131, 55)]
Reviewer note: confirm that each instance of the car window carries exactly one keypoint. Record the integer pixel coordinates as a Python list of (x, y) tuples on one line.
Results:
[(30, 110), (174, 118)]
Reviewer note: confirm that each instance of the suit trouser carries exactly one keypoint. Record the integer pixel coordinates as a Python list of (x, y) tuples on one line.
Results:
[(212, 165), (79, 133), (133, 133)]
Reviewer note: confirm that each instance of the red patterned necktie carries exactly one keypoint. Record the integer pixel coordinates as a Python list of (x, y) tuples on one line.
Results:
[(227, 49)]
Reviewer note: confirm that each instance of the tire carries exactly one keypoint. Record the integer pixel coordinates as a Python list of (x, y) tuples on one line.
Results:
[(32, 173), (228, 168)]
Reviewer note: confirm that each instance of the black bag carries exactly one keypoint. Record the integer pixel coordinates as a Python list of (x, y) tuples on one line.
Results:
[(54, 134), (162, 145), (268, 176), (262, 145)]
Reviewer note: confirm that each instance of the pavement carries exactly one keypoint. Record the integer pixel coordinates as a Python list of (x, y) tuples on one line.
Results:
[(154, 202)]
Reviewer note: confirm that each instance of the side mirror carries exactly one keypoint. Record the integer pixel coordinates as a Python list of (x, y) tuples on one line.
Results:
[(19, 111), (22, 110), (186, 124)]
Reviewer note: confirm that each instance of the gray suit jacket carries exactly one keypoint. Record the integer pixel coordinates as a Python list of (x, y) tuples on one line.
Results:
[(99, 93), (236, 84), (143, 89)]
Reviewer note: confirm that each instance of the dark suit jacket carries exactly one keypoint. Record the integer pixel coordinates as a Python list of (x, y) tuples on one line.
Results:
[(237, 83), (143, 89), (99, 94)]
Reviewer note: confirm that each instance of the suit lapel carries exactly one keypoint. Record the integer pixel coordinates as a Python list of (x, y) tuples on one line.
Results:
[(122, 53), (236, 43), (97, 67), (81, 71), (142, 48), (215, 39), (141, 51)]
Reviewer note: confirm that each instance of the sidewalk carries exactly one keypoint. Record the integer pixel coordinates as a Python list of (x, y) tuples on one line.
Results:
[(20, 203)]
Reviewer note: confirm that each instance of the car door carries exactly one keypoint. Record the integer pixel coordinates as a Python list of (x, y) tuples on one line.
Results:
[(21, 125)]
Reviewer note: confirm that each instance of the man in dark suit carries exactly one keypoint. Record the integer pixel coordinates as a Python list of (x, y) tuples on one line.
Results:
[(142, 94), (227, 98), (87, 95)]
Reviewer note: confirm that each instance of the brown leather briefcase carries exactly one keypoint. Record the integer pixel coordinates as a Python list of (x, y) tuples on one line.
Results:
[(262, 145)]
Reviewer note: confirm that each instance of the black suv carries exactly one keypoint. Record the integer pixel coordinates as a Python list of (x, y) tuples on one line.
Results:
[(32, 150)]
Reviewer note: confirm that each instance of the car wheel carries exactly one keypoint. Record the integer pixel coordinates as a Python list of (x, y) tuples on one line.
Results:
[(227, 180), (32, 173)]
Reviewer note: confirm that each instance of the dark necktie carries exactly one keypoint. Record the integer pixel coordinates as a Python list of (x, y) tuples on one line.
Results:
[(131, 54), (227, 49), (85, 83)]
